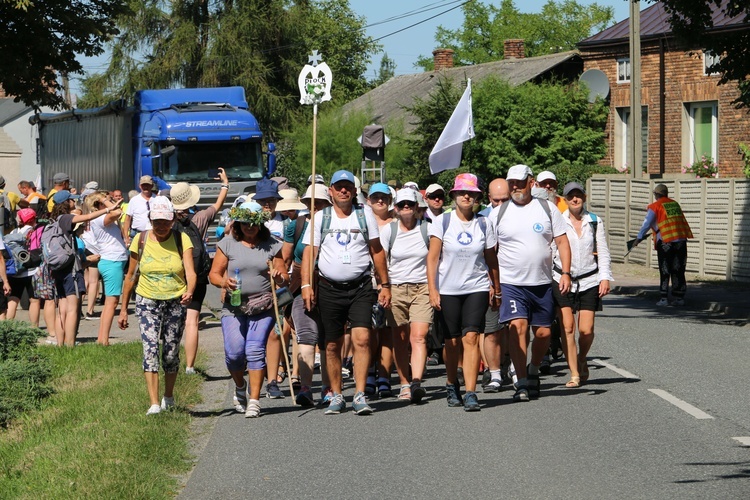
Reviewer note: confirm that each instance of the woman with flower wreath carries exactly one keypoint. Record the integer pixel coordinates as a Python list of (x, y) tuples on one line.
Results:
[(246, 327)]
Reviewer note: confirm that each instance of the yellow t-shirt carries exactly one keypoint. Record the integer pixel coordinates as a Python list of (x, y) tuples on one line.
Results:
[(50, 201), (162, 276)]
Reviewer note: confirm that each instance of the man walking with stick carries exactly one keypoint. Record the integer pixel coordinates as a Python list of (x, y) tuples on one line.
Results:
[(345, 238)]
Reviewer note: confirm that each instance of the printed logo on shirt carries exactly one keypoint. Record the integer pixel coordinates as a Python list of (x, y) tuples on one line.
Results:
[(343, 238), (465, 238), (538, 227)]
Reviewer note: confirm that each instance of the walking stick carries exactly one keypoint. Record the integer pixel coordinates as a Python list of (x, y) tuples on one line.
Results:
[(278, 325)]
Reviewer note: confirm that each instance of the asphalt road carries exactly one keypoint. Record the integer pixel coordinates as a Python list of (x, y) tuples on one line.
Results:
[(658, 419)]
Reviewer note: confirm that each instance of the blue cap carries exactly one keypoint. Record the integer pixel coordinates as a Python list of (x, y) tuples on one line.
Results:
[(266, 188), (379, 187), (252, 206), (342, 175), (64, 195)]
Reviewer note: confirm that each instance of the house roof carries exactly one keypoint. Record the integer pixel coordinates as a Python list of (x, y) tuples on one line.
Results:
[(389, 99), (655, 23), (10, 110), (8, 145)]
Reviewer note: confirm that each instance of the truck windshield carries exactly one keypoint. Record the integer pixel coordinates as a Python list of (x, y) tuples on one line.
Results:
[(190, 162)]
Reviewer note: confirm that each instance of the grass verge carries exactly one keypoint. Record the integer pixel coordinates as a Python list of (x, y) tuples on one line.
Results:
[(92, 438)]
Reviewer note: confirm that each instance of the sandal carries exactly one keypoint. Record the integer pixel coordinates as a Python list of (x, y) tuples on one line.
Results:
[(574, 382), (281, 374), (384, 388), (583, 369), (370, 386), (296, 383), (405, 393)]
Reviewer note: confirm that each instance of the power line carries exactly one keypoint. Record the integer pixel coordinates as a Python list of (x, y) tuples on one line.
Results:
[(422, 21)]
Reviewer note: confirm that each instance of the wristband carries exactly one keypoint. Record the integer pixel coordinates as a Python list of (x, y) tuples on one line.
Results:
[(498, 295), (385, 285), (305, 286), (108, 210), (565, 272), (225, 186)]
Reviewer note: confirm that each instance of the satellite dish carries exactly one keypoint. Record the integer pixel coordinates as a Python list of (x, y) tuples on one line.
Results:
[(597, 82)]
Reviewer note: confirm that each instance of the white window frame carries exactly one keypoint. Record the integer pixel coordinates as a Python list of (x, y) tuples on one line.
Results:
[(692, 107), (625, 62), (709, 59)]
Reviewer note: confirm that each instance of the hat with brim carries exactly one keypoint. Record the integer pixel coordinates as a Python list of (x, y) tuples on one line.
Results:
[(343, 175), (161, 209), (379, 188), (63, 196), (519, 173), (406, 194), (92, 185), (266, 188), (289, 201), (661, 189), (146, 180), (546, 176), (434, 188), (321, 193), (60, 178), (466, 182), (249, 212), (184, 195), (572, 186)]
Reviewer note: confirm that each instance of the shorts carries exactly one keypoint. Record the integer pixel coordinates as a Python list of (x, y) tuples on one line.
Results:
[(586, 300), (492, 321), (113, 275), (532, 303), (68, 283), (463, 313), (410, 303), (337, 305), (3, 301), (19, 285), (198, 295), (306, 323)]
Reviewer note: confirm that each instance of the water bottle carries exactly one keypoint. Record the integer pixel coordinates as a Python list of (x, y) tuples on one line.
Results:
[(236, 296)]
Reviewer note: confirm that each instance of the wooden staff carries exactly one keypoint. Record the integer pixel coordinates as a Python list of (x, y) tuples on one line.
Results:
[(279, 325)]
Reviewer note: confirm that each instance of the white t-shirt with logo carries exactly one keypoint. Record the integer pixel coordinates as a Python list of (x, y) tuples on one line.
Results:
[(276, 226), (108, 240), (344, 255), (408, 262), (525, 242), (462, 269), (138, 209)]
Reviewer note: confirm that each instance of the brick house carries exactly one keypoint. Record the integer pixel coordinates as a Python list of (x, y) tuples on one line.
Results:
[(685, 114)]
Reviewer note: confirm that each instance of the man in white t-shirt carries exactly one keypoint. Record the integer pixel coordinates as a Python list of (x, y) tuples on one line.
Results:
[(525, 231), (344, 291), (136, 218), (435, 197)]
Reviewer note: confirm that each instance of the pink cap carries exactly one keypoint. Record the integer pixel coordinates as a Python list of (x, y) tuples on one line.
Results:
[(466, 182), (25, 215)]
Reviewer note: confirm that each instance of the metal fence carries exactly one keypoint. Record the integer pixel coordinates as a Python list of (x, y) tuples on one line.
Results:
[(718, 211)]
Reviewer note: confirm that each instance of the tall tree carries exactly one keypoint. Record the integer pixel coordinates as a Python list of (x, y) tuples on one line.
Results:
[(693, 22), (258, 44), (386, 72), (41, 39), (558, 27)]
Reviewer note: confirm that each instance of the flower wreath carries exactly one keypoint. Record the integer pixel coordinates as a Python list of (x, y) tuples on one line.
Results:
[(246, 215)]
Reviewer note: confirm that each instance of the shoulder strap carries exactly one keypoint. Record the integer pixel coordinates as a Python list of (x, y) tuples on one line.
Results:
[(446, 222), (482, 221), (325, 226), (362, 223), (423, 230), (501, 211), (594, 224), (392, 239), (545, 207), (298, 227), (178, 242)]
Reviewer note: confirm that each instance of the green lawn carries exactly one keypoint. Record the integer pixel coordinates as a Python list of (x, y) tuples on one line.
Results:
[(92, 438)]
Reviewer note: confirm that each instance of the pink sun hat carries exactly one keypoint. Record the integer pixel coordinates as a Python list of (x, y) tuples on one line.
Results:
[(466, 182)]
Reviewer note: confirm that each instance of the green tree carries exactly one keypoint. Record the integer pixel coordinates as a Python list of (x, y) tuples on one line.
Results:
[(693, 23), (337, 146), (558, 27), (40, 40), (546, 126), (260, 45), (386, 72)]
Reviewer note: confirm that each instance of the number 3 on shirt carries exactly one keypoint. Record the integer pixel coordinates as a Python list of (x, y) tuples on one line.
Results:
[(513, 308)]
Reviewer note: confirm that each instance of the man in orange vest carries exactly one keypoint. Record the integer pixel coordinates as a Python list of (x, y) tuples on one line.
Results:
[(671, 232)]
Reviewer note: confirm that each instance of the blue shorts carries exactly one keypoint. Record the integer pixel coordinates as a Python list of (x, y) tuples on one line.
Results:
[(113, 275), (533, 303), (68, 283)]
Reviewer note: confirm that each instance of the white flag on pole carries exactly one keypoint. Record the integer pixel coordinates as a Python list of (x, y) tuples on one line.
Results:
[(446, 154)]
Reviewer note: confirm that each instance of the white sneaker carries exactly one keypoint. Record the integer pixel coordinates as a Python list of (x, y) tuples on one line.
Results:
[(167, 403), (662, 302), (240, 399), (253, 409), (153, 410), (678, 302), (189, 370)]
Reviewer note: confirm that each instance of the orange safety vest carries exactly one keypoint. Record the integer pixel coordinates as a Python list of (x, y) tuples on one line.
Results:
[(670, 220)]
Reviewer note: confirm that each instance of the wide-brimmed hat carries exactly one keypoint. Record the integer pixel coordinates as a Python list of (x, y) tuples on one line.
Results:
[(266, 188), (289, 200), (466, 182), (161, 209), (321, 193), (184, 195)]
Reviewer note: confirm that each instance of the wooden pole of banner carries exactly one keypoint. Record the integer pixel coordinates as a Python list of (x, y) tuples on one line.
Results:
[(280, 326), (311, 225)]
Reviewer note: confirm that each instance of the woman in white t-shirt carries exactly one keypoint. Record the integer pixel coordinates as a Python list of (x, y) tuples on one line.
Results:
[(113, 261), (410, 314), (463, 280)]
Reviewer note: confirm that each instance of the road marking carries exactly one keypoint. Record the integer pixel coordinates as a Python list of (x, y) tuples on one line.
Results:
[(682, 405), (619, 371), (744, 441)]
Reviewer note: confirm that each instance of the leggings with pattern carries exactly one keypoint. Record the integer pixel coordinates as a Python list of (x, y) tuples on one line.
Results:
[(160, 321)]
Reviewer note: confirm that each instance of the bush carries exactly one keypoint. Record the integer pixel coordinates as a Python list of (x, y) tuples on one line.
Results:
[(705, 167), (24, 372)]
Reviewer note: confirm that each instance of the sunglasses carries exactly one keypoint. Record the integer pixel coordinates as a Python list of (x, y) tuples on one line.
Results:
[(407, 204), (471, 194), (341, 186), (436, 197)]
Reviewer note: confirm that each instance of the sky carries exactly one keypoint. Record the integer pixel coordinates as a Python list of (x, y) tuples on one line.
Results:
[(406, 46)]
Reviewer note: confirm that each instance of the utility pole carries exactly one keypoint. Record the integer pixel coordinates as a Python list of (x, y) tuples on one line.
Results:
[(634, 131)]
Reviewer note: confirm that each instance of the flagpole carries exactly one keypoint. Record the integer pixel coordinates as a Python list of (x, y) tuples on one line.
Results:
[(312, 191)]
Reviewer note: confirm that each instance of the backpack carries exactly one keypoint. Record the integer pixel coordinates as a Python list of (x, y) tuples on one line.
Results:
[(394, 232), (504, 208), (58, 247), (325, 227), (16, 246), (7, 215), (201, 260)]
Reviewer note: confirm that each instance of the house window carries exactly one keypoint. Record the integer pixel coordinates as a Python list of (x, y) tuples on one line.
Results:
[(623, 70), (709, 60), (622, 139), (703, 130)]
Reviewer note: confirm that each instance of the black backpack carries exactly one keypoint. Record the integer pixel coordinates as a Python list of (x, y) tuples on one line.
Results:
[(201, 260)]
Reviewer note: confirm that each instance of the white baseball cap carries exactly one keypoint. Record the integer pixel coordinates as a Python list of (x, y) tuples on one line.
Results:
[(546, 176), (519, 173)]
